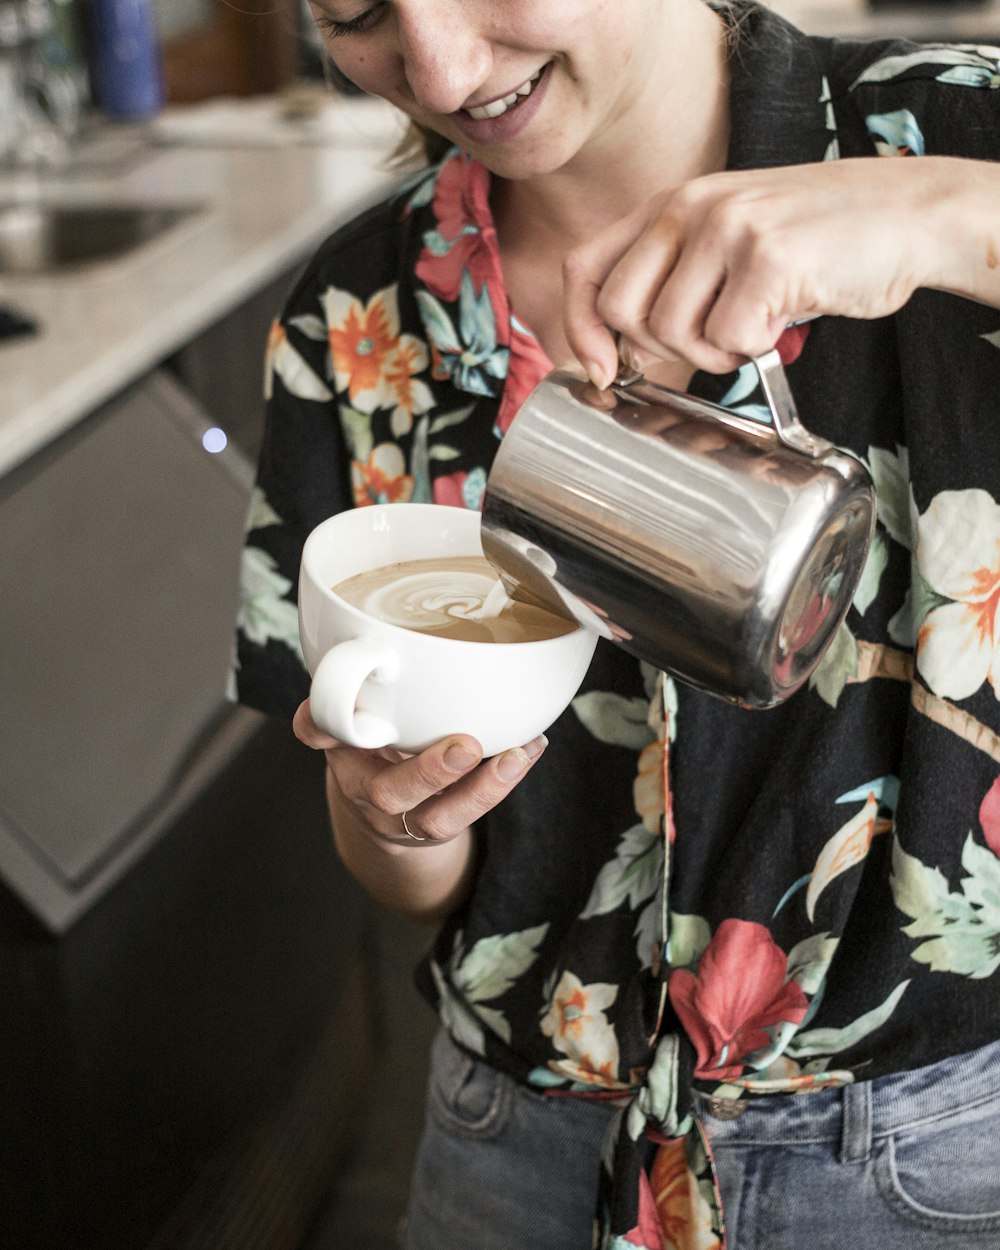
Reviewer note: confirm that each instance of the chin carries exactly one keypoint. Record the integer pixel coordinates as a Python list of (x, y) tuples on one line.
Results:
[(516, 162)]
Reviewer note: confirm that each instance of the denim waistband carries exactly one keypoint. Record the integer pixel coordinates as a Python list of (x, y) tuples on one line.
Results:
[(865, 1110)]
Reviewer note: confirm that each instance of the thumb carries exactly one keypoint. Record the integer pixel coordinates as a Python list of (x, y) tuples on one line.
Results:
[(585, 271)]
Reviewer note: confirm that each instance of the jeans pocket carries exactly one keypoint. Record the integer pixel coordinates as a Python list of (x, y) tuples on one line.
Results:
[(467, 1098), (945, 1176)]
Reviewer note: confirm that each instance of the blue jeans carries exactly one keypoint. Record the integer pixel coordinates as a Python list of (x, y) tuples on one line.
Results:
[(908, 1162)]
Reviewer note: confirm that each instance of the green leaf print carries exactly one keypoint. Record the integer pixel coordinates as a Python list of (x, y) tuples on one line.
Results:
[(689, 937), (894, 66), (312, 326), (832, 1041), (358, 432), (809, 960), (896, 508), (835, 668), (613, 719), (448, 419), (483, 973), (265, 613), (871, 577), (420, 464), (634, 873), (921, 599), (494, 963), (260, 514), (993, 338), (963, 927)]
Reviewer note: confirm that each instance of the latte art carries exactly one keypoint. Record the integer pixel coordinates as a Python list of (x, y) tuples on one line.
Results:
[(451, 596)]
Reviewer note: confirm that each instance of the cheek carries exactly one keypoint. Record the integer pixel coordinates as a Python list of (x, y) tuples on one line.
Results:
[(371, 74)]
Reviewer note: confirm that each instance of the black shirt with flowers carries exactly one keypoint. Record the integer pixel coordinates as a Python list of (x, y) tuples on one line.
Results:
[(682, 893)]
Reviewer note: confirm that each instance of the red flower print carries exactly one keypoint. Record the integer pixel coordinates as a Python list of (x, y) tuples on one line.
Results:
[(648, 1233), (989, 817), (792, 341), (466, 239), (448, 490), (528, 365), (739, 992)]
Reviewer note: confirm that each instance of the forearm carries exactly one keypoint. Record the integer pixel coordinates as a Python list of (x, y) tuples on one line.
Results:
[(963, 215), (423, 881)]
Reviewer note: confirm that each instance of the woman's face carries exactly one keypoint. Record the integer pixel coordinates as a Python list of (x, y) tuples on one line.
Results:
[(524, 85)]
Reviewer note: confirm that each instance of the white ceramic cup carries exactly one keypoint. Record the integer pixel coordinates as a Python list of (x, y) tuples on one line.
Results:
[(375, 684)]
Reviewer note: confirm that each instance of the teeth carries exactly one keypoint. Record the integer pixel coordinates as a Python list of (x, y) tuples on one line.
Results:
[(499, 107)]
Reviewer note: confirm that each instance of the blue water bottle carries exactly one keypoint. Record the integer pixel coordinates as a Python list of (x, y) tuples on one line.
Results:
[(126, 70)]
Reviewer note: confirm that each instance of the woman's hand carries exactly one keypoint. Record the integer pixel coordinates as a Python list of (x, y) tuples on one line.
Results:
[(712, 271), (422, 869)]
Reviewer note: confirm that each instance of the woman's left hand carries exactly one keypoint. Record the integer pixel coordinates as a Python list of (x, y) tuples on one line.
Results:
[(713, 270)]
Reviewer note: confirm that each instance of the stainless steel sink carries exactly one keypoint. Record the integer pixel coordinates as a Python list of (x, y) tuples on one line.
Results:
[(45, 238)]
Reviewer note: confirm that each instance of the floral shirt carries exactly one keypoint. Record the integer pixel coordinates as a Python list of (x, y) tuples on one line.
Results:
[(685, 896)]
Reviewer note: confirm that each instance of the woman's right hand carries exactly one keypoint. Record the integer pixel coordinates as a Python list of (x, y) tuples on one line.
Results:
[(442, 790)]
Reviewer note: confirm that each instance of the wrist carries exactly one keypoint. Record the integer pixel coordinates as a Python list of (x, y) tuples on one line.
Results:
[(961, 227)]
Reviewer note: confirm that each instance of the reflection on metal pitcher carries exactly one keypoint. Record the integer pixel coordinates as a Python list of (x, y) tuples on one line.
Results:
[(718, 548)]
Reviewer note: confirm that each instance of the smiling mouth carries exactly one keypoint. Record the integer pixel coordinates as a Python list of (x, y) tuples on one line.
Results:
[(496, 108)]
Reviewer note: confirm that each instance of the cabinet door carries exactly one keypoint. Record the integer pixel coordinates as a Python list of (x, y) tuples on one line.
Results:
[(119, 583)]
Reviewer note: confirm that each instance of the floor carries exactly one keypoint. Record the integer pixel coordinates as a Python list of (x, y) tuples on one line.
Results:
[(368, 1199)]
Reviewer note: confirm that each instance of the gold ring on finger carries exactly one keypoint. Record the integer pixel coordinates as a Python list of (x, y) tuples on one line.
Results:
[(409, 832)]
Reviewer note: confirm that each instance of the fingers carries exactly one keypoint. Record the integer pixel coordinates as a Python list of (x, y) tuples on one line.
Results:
[(709, 272), (442, 790), (307, 731), (586, 271)]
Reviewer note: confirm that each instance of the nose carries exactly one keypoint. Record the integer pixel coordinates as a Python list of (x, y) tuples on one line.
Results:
[(446, 55)]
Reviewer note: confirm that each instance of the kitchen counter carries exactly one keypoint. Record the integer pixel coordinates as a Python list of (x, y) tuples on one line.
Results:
[(261, 208), (855, 19)]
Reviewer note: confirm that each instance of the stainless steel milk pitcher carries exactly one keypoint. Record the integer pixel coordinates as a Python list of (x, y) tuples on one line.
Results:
[(719, 548)]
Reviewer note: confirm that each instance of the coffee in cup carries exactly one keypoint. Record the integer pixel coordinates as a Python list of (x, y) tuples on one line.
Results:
[(450, 597), (378, 683)]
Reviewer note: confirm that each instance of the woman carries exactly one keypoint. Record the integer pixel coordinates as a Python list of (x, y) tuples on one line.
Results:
[(671, 916)]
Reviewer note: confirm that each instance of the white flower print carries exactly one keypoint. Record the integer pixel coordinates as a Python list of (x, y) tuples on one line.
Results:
[(958, 555)]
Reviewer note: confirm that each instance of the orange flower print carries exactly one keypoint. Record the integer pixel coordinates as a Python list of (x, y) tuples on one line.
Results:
[(685, 1217), (580, 1030), (412, 396), (382, 478), (364, 340), (647, 789)]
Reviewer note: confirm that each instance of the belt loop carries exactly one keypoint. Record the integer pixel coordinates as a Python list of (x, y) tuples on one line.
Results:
[(856, 1123)]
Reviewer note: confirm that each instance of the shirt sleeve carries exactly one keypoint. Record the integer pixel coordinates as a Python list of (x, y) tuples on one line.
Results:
[(303, 477), (929, 100)]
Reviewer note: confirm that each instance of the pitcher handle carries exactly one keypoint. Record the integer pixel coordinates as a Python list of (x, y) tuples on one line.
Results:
[(774, 384), (784, 414)]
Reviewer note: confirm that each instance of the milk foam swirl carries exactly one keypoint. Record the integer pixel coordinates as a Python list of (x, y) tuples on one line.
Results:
[(457, 597), (429, 600)]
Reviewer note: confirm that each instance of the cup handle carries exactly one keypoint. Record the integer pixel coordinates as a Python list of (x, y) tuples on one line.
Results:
[(336, 690)]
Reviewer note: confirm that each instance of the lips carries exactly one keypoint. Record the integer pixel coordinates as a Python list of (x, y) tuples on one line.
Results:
[(496, 108), (503, 119)]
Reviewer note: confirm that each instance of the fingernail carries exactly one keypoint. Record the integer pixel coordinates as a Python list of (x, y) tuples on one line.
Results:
[(534, 748), (600, 377), (512, 764), (459, 759)]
